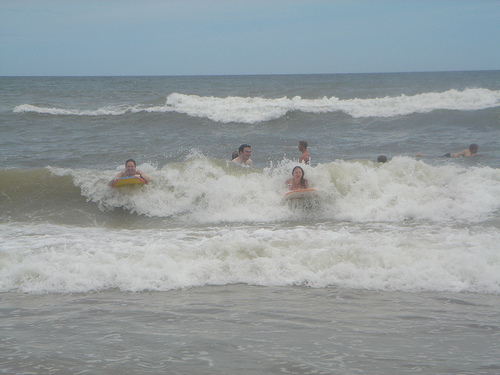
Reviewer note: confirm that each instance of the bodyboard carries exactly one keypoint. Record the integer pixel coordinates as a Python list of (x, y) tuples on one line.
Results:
[(302, 199), (127, 181)]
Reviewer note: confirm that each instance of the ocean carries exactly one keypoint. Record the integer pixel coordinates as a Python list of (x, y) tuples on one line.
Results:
[(395, 270)]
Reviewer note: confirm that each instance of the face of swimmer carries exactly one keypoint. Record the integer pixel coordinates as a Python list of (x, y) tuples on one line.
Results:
[(297, 173), (247, 152), (130, 168)]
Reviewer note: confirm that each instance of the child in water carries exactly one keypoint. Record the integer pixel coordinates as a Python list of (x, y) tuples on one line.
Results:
[(298, 181)]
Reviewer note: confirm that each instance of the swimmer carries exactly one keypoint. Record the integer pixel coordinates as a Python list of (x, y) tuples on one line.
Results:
[(298, 181), (471, 151), (130, 171), (305, 155), (244, 153)]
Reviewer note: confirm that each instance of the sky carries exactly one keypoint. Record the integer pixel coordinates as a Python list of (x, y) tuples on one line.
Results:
[(246, 37)]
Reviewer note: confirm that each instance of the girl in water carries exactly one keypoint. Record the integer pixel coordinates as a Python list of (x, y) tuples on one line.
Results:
[(298, 181)]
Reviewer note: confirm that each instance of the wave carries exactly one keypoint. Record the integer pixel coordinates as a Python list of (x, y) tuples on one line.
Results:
[(256, 109), (209, 191), (104, 111), (60, 259), (402, 225)]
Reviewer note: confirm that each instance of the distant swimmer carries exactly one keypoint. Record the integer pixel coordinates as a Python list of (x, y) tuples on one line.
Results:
[(244, 153), (471, 151), (305, 155), (382, 159), (130, 171), (298, 181)]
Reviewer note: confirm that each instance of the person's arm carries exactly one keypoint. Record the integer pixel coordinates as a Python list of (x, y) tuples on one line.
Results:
[(113, 181), (144, 176)]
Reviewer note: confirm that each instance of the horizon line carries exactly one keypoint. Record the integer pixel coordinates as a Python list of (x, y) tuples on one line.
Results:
[(241, 75)]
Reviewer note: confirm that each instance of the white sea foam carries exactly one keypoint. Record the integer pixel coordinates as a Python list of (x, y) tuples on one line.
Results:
[(60, 259), (209, 191), (104, 111), (402, 225), (257, 109)]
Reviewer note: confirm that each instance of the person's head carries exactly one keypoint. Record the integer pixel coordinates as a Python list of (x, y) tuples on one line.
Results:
[(130, 166), (302, 145), (473, 148), (298, 172), (382, 159), (245, 151), (234, 155)]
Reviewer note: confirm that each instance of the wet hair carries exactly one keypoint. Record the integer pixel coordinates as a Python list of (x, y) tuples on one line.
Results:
[(234, 155), (303, 144), (131, 160), (303, 181), (473, 148), (242, 147), (382, 159)]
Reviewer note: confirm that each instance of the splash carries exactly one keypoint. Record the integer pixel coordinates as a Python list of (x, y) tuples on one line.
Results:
[(210, 191), (206, 191), (402, 225)]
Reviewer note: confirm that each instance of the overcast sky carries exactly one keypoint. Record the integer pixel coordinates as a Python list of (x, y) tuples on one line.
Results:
[(219, 37)]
